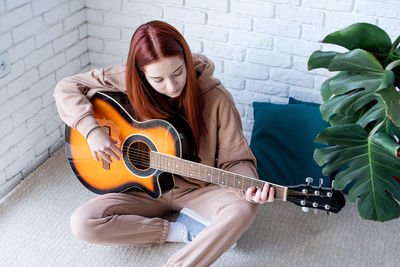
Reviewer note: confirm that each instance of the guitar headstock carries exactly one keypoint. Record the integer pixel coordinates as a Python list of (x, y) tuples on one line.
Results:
[(323, 198)]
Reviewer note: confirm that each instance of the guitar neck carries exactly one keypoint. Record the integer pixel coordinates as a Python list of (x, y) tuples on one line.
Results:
[(209, 174)]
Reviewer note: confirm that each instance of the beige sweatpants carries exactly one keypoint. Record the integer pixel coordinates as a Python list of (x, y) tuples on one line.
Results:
[(133, 219)]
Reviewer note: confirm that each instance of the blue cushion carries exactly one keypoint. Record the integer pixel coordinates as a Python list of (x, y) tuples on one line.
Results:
[(283, 142)]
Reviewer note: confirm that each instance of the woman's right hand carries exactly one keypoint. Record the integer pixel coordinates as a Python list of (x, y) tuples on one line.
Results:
[(100, 143)]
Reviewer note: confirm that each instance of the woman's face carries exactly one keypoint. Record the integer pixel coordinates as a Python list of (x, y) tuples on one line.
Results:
[(167, 75)]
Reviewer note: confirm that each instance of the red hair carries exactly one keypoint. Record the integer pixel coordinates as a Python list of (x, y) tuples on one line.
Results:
[(151, 42)]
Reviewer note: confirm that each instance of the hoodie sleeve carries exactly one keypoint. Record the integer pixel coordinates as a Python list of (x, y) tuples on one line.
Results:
[(72, 95), (234, 153)]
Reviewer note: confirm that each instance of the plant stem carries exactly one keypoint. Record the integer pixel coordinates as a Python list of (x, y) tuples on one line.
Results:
[(390, 54), (393, 64)]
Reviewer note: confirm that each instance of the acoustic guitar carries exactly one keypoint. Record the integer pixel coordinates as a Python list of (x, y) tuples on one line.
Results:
[(154, 150)]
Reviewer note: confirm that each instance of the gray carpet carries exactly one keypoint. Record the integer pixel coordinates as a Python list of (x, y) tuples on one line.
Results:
[(34, 231)]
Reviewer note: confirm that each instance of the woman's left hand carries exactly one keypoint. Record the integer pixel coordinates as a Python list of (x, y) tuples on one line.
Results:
[(260, 196)]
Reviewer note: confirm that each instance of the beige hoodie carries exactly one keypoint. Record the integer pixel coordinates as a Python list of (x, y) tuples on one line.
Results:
[(224, 146)]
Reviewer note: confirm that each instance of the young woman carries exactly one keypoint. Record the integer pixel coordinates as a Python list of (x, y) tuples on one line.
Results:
[(162, 78)]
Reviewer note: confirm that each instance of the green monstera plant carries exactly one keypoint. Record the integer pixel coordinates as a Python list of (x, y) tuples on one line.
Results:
[(362, 106)]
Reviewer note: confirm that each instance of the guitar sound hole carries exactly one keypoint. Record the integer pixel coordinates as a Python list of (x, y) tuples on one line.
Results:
[(139, 155)]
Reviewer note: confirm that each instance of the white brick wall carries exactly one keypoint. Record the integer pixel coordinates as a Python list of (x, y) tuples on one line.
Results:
[(46, 42), (260, 49)]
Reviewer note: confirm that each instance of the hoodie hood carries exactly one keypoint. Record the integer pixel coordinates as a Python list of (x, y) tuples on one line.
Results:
[(204, 69)]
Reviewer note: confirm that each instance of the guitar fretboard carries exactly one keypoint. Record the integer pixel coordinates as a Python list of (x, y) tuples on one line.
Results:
[(209, 174)]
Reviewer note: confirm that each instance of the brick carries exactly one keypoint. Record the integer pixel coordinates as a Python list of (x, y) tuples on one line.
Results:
[(48, 35), (76, 50), (10, 183), (296, 47), (11, 4), (37, 121), (33, 137), (277, 28), (16, 136), (41, 6), (232, 81), (106, 5), (27, 112), (116, 47), (292, 77), (56, 14), (18, 165), (44, 144), (196, 46), (2, 9), (247, 98), (232, 21), (302, 15), (51, 64), (23, 82), (95, 44), (48, 100), (75, 20), (83, 31), (21, 49), (315, 33), (3, 94), (65, 41), (17, 69), (206, 33), (84, 59), (27, 29), (6, 125), (52, 124), (378, 9), (218, 64), (224, 51), (252, 9), (391, 26), (339, 5), (5, 41), (68, 69), (251, 39), (305, 94), (38, 56), (42, 86), (8, 158), (339, 20), (103, 32), (94, 16), (267, 87), (15, 17), (104, 60), (247, 70), (287, 2), (185, 15), (144, 9), (220, 5), (75, 5), (268, 58)]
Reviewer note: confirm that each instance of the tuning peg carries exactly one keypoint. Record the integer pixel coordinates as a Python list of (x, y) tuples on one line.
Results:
[(333, 181), (309, 180), (305, 209), (315, 211), (329, 213), (321, 181), (327, 207), (329, 194)]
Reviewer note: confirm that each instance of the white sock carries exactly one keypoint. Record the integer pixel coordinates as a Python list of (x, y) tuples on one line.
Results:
[(177, 233)]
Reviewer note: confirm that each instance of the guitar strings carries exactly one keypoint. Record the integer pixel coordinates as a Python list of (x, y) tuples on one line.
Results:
[(142, 158)]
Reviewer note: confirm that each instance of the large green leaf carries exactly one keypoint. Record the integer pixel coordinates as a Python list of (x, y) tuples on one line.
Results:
[(392, 103), (351, 92), (362, 35), (356, 61), (370, 161), (321, 59)]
